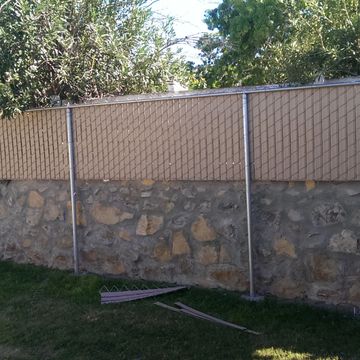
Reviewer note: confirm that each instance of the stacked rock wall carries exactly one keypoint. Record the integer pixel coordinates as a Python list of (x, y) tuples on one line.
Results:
[(306, 235)]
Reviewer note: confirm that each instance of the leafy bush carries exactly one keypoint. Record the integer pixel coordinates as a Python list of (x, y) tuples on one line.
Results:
[(76, 49)]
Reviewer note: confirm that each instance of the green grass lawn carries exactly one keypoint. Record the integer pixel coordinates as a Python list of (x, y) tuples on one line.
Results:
[(50, 314)]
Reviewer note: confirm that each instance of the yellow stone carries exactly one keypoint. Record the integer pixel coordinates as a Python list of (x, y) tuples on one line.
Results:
[(52, 211), (35, 200), (169, 206), (148, 182), (207, 255), (61, 262), (355, 294), (180, 246), (3, 211), (224, 255), (26, 243), (287, 288), (65, 243), (162, 252), (202, 231), (310, 185), (118, 269), (109, 215), (114, 267), (231, 278), (149, 225), (89, 256), (21, 200), (80, 216), (284, 247), (125, 235)]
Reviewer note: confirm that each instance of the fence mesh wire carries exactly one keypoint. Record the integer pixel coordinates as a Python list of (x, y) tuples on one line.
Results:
[(296, 135), (178, 139), (306, 134), (33, 146)]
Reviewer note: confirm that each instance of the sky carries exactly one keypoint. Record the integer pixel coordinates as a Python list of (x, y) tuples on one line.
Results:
[(189, 16)]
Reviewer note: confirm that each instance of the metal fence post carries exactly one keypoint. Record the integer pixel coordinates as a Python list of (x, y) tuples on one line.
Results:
[(72, 175), (245, 110)]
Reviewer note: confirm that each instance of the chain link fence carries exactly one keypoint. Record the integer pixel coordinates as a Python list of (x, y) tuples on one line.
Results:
[(306, 134), (296, 134)]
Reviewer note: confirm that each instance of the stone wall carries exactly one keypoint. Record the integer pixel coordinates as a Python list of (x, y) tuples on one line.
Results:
[(306, 235)]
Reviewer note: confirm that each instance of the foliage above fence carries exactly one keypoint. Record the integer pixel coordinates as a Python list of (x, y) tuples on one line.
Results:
[(79, 49), (296, 134)]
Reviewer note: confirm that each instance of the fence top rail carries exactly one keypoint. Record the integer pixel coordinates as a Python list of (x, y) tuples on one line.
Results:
[(127, 99)]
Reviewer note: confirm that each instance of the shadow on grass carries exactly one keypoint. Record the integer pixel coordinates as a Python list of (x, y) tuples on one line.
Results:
[(50, 314)]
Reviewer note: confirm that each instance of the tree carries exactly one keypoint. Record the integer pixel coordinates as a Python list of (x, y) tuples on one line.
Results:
[(277, 41), (76, 49)]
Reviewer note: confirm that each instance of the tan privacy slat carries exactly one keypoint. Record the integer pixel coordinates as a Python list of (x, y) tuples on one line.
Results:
[(33, 146), (318, 130), (176, 139), (295, 135)]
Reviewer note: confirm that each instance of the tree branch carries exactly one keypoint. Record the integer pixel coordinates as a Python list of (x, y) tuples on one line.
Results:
[(151, 4), (4, 4)]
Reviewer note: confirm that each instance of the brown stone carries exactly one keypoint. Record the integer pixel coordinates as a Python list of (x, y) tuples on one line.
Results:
[(11, 247), (62, 262), (186, 266), (224, 255), (202, 231), (354, 294), (21, 200), (324, 268), (345, 242), (65, 243), (60, 258), (52, 211), (287, 288), (148, 182), (230, 278), (114, 267), (179, 244), (151, 273), (162, 252), (125, 235), (26, 243), (80, 214), (43, 241), (207, 255), (35, 200), (284, 247), (3, 211), (36, 258), (149, 225), (89, 256), (169, 206), (327, 294), (109, 215), (33, 216), (310, 185), (62, 196)]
